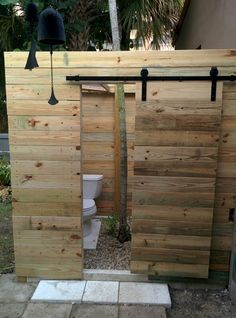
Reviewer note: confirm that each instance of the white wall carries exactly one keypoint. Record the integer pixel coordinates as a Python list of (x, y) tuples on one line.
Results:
[(209, 23)]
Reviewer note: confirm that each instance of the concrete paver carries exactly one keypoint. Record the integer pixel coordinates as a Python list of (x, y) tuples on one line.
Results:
[(144, 293), (101, 292), (141, 311), (11, 291), (94, 311), (59, 290), (45, 310), (12, 310)]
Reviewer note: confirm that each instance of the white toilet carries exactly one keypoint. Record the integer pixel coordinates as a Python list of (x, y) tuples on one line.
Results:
[(92, 188)]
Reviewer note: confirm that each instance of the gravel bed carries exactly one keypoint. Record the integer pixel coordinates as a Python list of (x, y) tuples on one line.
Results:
[(110, 254), (201, 303)]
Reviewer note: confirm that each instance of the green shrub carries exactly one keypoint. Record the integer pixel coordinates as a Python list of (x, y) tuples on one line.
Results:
[(5, 172), (111, 225)]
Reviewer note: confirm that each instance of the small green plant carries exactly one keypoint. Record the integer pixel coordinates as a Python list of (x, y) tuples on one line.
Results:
[(127, 232), (5, 172), (111, 225)]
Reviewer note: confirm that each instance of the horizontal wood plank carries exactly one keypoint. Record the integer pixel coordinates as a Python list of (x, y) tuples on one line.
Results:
[(126, 59), (42, 138)]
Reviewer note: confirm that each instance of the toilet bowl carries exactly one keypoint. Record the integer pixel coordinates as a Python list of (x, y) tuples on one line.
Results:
[(92, 188), (89, 210)]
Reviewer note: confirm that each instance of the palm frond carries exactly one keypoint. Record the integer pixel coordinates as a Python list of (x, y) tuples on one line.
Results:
[(151, 18)]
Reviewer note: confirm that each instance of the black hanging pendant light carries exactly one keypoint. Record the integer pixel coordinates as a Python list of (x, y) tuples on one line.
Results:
[(51, 31), (31, 16)]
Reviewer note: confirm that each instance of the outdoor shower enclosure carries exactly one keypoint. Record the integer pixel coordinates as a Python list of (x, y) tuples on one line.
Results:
[(182, 158)]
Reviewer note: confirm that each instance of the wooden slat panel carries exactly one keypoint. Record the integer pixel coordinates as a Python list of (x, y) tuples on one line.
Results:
[(42, 92), (179, 199), (173, 213), (128, 60), (179, 138), (45, 150), (58, 209), (22, 168), (43, 123), (175, 161), (42, 75), (177, 168), (45, 153), (171, 227), (171, 241), (47, 195), (31, 181), (40, 108), (170, 255), (41, 138), (177, 91), (170, 269), (222, 234), (173, 154), (174, 184)]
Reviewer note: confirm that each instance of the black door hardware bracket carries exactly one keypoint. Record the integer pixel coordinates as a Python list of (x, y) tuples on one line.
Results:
[(144, 77)]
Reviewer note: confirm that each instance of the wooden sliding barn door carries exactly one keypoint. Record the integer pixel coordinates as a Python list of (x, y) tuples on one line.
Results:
[(175, 162), (45, 150)]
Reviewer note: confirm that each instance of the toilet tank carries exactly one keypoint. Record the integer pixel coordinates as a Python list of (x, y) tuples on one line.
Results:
[(92, 185)]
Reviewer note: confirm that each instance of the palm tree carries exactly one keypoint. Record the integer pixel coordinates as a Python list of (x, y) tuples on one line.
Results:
[(11, 36), (154, 20), (80, 16), (123, 234)]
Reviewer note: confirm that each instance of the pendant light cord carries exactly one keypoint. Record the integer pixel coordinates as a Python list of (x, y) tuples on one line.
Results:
[(51, 51)]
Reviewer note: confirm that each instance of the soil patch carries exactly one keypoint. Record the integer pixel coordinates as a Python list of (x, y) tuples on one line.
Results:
[(201, 303), (6, 239)]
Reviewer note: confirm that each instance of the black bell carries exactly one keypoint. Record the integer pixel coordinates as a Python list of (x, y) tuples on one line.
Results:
[(51, 28), (31, 16), (51, 31)]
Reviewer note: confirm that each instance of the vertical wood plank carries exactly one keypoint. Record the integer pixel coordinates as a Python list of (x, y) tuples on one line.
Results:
[(117, 152)]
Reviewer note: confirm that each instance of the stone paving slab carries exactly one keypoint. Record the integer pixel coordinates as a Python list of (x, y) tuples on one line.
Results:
[(144, 293), (59, 290), (141, 311), (11, 291), (12, 310), (45, 310), (94, 311), (101, 292)]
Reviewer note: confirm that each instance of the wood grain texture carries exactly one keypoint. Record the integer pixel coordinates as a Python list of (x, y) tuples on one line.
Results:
[(222, 232), (128, 60), (42, 75), (45, 145), (175, 160), (101, 145), (169, 126)]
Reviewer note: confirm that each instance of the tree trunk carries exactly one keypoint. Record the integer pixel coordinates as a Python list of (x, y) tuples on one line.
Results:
[(3, 110), (114, 25), (123, 234), (82, 10)]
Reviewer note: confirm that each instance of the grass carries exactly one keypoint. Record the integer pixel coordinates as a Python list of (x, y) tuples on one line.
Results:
[(6, 239)]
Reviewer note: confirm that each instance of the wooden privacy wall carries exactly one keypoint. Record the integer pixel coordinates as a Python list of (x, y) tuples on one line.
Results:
[(221, 245), (27, 96), (175, 161), (99, 144), (45, 150)]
